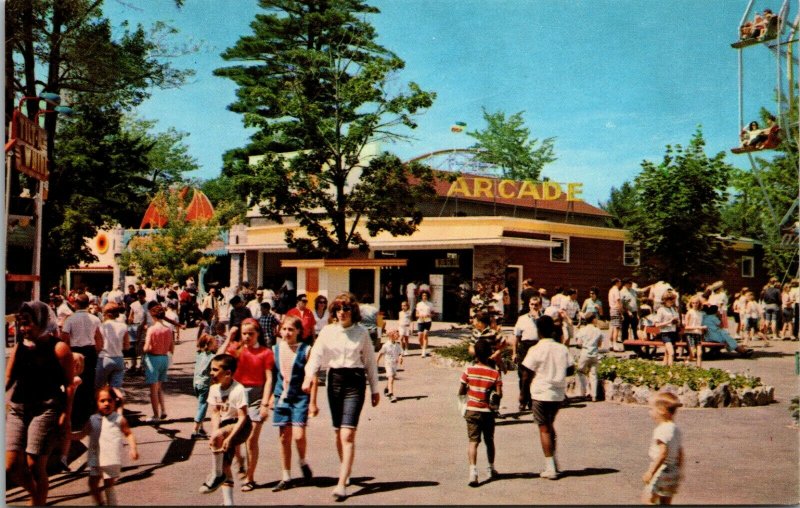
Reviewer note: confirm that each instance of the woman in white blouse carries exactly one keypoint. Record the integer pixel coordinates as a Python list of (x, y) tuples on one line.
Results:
[(345, 349)]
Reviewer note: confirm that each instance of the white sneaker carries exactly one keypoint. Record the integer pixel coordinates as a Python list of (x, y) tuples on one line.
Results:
[(473, 479), (550, 474)]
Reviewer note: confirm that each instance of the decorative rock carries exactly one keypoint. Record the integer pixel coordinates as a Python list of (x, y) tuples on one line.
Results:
[(689, 398), (705, 398), (641, 395), (735, 401), (748, 397), (762, 396), (608, 389), (627, 393), (722, 395), (671, 388)]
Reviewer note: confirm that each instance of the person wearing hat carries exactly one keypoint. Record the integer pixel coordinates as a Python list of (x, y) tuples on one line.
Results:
[(110, 361)]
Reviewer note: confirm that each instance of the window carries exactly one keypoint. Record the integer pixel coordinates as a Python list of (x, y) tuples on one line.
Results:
[(630, 254), (559, 253), (748, 266)]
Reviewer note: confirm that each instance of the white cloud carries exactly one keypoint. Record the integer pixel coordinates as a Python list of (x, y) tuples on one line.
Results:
[(610, 125)]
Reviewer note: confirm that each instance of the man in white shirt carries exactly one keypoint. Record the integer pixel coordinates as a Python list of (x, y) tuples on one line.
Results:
[(255, 304), (82, 332), (549, 360), (527, 336), (150, 293)]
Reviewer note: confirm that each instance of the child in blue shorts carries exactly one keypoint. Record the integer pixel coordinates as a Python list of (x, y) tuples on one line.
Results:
[(290, 404)]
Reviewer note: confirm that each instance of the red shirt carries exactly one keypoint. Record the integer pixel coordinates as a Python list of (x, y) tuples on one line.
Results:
[(479, 379), (160, 338), (307, 317), (252, 366)]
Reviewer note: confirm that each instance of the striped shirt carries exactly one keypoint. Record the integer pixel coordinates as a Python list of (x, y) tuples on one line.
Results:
[(479, 378)]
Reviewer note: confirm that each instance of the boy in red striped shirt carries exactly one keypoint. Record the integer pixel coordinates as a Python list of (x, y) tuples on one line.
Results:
[(476, 381)]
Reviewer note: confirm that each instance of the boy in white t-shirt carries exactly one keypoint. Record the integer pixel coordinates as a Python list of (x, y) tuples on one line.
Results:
[(666, 452), (404, 325), (392, 354), (230, 424)]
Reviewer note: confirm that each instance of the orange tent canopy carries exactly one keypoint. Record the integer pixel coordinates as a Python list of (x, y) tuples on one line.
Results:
[(200, 207)]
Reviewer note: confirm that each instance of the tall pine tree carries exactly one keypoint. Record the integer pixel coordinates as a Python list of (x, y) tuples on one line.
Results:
[(315, 83)]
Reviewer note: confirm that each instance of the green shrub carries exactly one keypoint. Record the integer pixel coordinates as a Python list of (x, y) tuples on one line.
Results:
[(646, 373), (794, 408), (460, 353)]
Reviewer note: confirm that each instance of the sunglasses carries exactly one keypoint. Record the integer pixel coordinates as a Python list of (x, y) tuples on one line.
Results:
[(345, 308), (304, 301)]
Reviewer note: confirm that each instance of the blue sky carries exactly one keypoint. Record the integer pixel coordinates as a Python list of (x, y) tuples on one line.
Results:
[(614, 81)]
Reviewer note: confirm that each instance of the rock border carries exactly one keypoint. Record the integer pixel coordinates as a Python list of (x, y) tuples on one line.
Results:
[(722, 396), (618, 391)]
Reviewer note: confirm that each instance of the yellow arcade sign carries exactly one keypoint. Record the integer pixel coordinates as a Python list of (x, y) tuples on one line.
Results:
[(491, 188)]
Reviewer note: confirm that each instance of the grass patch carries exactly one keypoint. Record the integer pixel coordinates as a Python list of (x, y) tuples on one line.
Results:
[(646, 373)]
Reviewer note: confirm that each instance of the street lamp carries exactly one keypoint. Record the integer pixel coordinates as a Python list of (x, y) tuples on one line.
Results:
[(27, 146)]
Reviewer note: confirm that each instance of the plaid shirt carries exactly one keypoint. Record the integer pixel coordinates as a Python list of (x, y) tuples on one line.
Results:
[(269, 324)]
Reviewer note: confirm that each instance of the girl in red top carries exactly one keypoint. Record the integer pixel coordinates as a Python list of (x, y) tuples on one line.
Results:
[(254, 372), (158, 345)]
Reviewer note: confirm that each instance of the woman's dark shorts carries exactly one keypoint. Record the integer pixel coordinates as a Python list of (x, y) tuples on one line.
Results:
[(346, 393)]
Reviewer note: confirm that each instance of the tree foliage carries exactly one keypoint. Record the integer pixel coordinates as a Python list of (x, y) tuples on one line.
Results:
[(621, 205), (175, 251), (315, 83), (677, 222), (99, 172), (506, 143)]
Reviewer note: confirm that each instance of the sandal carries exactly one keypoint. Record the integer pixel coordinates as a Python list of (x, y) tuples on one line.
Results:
[(247, 487)]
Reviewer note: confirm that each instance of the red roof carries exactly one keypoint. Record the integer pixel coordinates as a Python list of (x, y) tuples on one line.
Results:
[(559, 204), (200, 207)]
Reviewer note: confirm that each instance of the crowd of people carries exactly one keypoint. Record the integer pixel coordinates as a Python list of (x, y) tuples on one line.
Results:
[(258, 355)]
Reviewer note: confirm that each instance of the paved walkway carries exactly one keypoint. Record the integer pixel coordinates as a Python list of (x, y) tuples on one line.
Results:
[(414, 451)]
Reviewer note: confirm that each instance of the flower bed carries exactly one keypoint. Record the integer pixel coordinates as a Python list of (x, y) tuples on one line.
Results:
[(634, 381)]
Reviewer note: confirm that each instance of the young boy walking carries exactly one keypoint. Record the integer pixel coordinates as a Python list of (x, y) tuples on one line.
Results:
[(666, 452), (476, 381), (392, 354), (230, 424), (549, 360)]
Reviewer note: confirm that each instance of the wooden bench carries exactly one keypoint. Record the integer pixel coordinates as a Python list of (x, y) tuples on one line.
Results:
[(648, 348)]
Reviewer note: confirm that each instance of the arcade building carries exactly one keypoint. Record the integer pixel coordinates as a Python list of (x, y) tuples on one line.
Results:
[(475, 226)]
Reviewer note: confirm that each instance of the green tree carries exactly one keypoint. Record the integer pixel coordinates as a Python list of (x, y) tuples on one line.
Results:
[(227, 200), (678, 220), (67, 47), (314, 82), (621, 205), (506, 143), (175, 251)]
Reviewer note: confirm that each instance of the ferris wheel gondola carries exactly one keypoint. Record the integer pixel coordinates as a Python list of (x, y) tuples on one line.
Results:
[(768, 29)]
